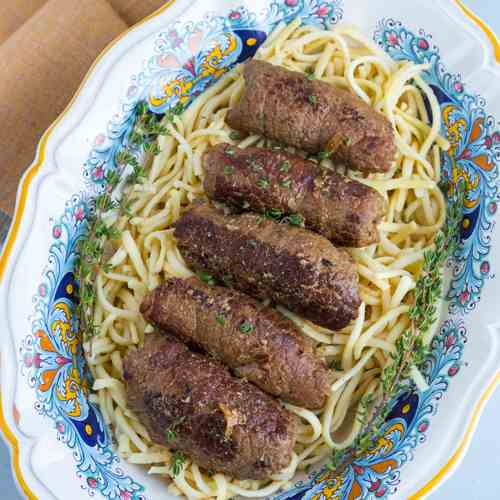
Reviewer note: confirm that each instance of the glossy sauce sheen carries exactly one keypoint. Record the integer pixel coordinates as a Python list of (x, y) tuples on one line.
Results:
[(221, 422), (314, 116), (256, 342), (343, 210), (290, 265)]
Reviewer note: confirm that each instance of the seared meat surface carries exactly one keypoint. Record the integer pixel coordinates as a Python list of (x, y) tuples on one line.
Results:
[(193, 404), (314, 116), (343, 210), (290, 265), (256, 342)]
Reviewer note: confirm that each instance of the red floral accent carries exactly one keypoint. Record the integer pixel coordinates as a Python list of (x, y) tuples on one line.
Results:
[(56, 232), (453, 370), (291, 3), (79, 214), (485, 267), (99, 139), (464, 297), (392, 38), (423, 44), (323, 10), (37, 360), (98, 173), (234, 15), (358, 470), (492, 207), (42, 289), (92, 482), (458, 87), (423, 426), (449, 341)]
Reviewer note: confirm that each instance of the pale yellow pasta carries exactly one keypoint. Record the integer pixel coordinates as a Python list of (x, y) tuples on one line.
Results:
[(388, 270)]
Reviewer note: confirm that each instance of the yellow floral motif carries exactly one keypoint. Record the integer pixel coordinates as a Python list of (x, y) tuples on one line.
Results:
[(210, 67), (458, 174)]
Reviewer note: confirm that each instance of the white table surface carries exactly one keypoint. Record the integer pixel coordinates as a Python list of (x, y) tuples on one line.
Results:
[(477, 477)]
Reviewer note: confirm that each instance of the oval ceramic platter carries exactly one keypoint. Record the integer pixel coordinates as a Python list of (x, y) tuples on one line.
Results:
[(60, 445)]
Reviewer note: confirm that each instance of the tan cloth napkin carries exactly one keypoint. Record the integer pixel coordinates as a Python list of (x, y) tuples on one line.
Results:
[(13, 13), (134, 10), (42, 64)]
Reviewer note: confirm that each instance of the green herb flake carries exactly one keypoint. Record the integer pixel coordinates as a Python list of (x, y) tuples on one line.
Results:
[(171, 432), (252, 243), (347, 141), (228, 169), (294, 220), (274, 214), (206, 278), (286, 183), (323, 155), (263, 183), (234, 135), (245, 205), (246, 327), (313, 99), (177, 462), (221, 319), (284, 166), (310, 74)]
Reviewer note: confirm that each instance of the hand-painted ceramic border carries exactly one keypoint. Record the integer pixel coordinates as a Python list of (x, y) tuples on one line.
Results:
[(409, 418)]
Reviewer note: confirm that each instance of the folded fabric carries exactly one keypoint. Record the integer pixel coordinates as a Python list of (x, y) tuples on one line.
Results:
[(14, 13), (42, 64), (133, 11)]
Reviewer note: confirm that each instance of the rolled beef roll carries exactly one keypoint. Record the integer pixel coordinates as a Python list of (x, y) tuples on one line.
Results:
[(290, 265), (343, 210), (256, 342), (314, 116), (193, 404)]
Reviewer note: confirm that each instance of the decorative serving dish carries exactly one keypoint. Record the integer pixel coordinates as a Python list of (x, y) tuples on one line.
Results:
[(60, 445)]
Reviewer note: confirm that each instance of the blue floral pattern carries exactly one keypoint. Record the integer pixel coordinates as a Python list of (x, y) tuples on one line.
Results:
[(187, 59), (473, 157)]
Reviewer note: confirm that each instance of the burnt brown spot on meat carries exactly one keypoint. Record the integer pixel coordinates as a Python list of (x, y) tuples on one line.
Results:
[(287, 107)]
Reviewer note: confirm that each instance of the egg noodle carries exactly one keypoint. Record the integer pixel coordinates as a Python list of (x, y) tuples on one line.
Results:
[(388, 270)]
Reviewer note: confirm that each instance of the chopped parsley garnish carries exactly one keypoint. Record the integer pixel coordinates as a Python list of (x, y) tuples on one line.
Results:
[(234, 135), (228, 170), (294, 220), (246, 327), (347, 141), (229, 151), (313, 99), (177, 462), (245, 205), (274, 214), (263, 183), (206, 278), (286, 183), (284, 166), (310, 73), (323, 155), (253, 243), (171, 432), (221, 319)]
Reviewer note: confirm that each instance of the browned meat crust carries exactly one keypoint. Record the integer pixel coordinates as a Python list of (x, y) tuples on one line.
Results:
[(342, 210), (223, 423), (257, 342), (290, 265), (314, 116)]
